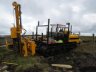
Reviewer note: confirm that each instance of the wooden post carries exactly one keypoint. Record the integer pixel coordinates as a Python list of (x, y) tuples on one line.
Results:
[(71, 29), (51, 32), (42, 37), (32, 35), (93, 39), (79, 33), (48, 31), (37, 30)]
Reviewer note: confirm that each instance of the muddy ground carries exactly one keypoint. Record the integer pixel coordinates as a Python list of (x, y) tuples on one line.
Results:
[(82, 59)]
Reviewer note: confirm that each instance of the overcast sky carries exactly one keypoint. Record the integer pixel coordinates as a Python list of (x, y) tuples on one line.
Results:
[(80, 13)]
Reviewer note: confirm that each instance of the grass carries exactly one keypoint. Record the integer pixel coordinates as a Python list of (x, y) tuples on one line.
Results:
[(23, 63), (29, 62), (2, 41), (87, 45), (10, 56)]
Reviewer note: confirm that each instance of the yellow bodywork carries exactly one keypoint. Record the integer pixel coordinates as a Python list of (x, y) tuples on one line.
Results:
[(13, 32), (74, 38), (33, 47), (25, 45), (28, 47)]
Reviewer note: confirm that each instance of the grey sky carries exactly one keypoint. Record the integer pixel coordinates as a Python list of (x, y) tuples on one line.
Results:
[(80, 13)]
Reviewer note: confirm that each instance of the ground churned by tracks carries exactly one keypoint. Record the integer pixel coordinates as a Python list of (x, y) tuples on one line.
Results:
[(81, 62)]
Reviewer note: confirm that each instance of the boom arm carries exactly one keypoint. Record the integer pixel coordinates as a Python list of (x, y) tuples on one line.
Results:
[(18, 29), (17, 8)]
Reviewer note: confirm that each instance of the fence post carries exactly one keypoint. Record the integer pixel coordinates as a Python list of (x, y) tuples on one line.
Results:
[(32, 35), (93, 39), (79, 33)]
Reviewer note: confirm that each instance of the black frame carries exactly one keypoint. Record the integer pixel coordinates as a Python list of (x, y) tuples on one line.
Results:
[(52, 47)]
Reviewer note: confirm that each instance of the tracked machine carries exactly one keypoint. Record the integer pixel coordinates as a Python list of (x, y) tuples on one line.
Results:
[(20, 44), (58, 39)]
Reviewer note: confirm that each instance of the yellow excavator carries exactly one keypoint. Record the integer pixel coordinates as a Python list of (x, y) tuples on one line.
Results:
[(20, 43), (72, 37)]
